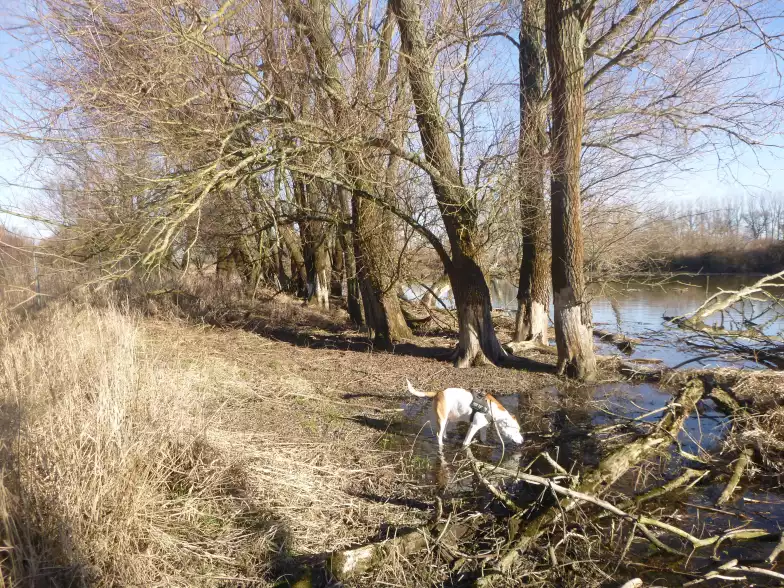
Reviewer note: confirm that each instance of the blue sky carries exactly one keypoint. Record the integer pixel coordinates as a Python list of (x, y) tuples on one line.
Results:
[(746, 171), (15, 156)]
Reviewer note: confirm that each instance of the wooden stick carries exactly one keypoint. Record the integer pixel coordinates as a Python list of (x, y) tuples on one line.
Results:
[(776, 551), (503, 497), (737, 473)]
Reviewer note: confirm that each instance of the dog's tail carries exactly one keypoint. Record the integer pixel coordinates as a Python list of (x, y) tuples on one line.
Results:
[(419, 393)]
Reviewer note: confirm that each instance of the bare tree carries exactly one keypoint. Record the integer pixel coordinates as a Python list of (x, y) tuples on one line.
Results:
[(477, 338), (534, 285), (371, 224), (565, 25)]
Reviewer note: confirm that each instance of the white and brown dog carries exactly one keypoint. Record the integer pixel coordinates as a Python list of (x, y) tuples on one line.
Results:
[(458, 404)]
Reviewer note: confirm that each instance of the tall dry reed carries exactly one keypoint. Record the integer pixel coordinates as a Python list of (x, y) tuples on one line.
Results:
[(106, 475)]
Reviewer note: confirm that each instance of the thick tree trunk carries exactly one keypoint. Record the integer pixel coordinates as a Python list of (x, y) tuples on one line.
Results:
[(317, 266), (477, 342), (298, 272), (565, 44), (314, 244), (477, 339), (533, 289), (373, 236)]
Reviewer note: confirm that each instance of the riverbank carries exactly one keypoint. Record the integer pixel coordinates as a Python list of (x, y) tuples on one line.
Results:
[(200, 446)]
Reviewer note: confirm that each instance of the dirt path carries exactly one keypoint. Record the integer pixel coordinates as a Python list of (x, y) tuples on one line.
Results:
[(308, 423)]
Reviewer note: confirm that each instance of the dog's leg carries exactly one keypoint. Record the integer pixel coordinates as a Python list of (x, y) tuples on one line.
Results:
[(441, 433), (483, 434), (475, 427)]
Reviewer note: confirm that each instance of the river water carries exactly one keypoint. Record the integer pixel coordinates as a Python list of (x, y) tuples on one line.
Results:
[(569, 425), (638, 309)]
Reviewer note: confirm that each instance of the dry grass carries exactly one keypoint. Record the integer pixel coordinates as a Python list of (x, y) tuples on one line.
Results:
[(141, 452), (109, 479), (762, 426)]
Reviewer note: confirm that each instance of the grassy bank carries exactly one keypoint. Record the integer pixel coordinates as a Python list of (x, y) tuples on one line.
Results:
[(152, 451), (112, 474)]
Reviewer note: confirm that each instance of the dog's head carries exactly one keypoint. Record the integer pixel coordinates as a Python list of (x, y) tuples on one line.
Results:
[(510, 429)]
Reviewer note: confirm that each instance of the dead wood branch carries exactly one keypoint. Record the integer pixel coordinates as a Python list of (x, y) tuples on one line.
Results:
[(732, 566), (518, 347), (640, 520), (689, 476), (613, 467), (776, 551), (737, 473), (502, 496), (726, 298), (346, 563)]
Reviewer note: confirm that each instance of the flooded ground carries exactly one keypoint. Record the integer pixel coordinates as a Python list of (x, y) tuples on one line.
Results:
[(571, 424)]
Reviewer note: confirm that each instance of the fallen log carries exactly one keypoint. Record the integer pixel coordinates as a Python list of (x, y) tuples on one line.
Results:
[(517, 347), (349, 562), (612, 467), (346, 563)]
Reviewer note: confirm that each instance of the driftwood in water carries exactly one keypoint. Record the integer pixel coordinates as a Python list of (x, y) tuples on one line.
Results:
[(737, 473), (724, 299), (613, 466), (622, 342)]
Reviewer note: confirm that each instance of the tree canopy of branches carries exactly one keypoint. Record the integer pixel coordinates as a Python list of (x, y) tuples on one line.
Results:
[(358, 146)]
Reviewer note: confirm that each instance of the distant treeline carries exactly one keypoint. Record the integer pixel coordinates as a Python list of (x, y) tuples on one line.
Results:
[(758, 257), (739, 234)]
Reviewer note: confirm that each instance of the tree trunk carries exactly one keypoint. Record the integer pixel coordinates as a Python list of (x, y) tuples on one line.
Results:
[(477, 339), (338, 267), (224, 265), (382, 309), (353, 297), (533, 289), (298, 272), (373, 236), (314, 243), (565, 44)]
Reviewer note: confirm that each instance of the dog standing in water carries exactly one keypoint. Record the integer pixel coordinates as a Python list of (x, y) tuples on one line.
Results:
[(458, 404)]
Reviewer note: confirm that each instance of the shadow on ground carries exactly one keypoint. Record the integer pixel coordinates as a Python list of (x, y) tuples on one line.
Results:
[(304, 326)]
